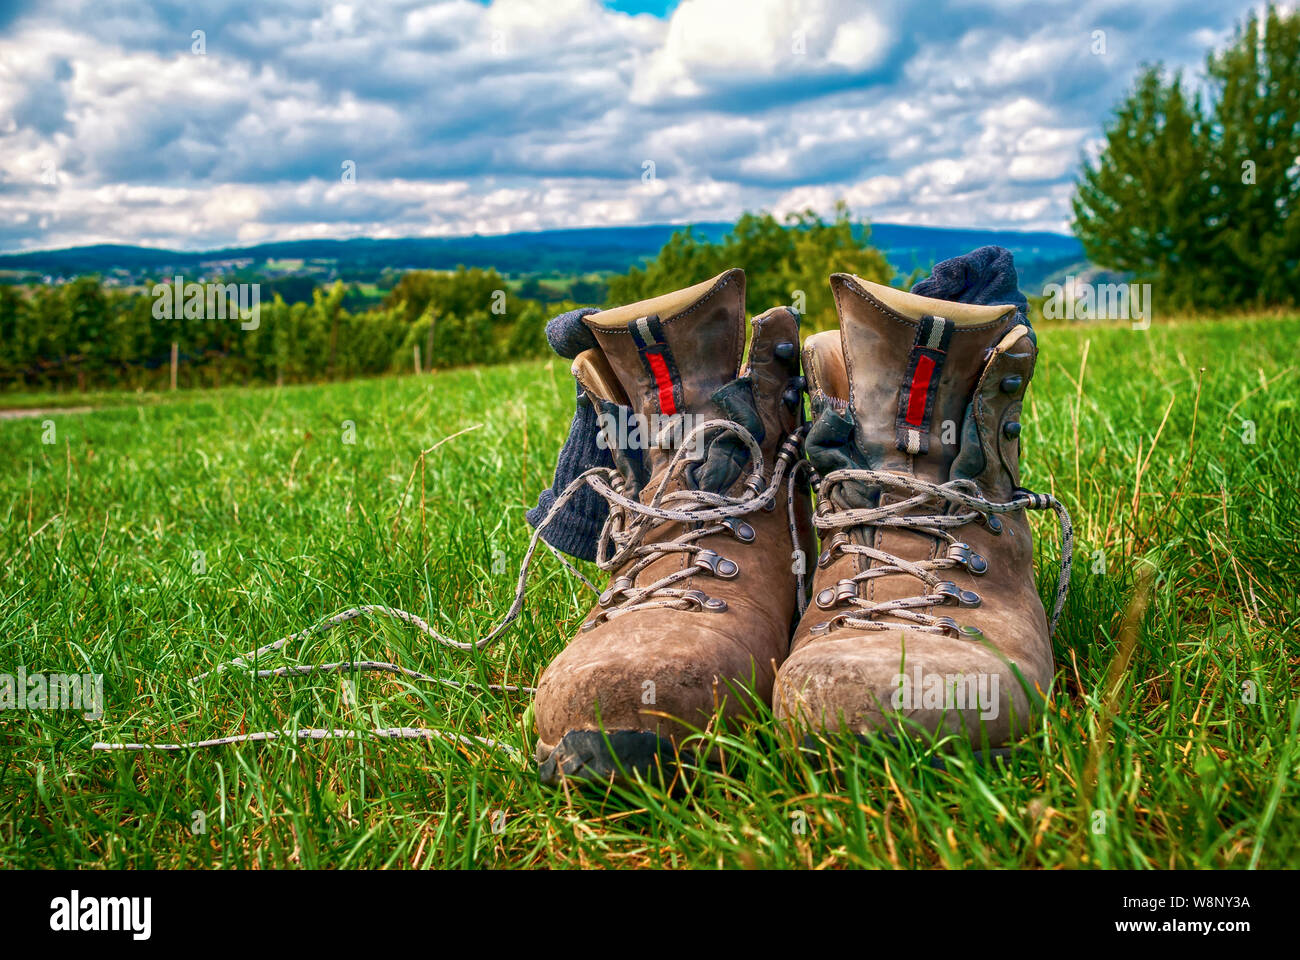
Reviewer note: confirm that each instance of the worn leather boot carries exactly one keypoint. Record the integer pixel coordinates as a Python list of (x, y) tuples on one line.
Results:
[(702, 533), (925, 616)]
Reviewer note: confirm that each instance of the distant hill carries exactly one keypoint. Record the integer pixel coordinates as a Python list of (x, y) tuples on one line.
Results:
[(575, 251), (1038, 254)]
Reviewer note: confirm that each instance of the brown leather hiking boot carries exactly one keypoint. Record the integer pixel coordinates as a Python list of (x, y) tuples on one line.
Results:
[(925, 614), (704, 519)]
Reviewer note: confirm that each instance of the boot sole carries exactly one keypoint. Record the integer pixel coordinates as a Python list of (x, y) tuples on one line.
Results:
[(603, 757), (622, 756), (982, 757)]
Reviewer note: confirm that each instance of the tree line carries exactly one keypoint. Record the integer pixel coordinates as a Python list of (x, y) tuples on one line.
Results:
[(84, 334)]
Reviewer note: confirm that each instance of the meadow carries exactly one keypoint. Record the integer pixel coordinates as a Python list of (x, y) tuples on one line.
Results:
[(159, 535)]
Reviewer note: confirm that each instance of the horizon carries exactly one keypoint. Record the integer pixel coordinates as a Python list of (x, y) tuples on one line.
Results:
[(7, 253)]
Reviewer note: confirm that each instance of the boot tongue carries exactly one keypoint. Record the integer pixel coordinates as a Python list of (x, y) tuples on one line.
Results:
[(671, 353), (913, 363)]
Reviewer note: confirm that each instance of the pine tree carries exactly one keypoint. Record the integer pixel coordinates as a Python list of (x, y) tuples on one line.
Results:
[(1257, 141), (1143, 207), (1197, 194)]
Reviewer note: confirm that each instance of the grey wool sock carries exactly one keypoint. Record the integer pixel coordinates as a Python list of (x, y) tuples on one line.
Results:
[(986, 275), (576, 528)]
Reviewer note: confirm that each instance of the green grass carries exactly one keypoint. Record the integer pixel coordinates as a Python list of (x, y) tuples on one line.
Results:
[(1185, 757)]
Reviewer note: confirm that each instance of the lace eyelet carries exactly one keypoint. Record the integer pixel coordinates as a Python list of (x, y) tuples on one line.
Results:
[(826, 626), (702, 601), (739, 529), (696, 598), (717, 565), (968, 558), (960, 630), (618, 586), (834, 596), (837, 540), (953, 595)]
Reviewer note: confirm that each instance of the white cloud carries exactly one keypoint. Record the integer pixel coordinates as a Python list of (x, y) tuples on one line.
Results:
[(464, 117), (716, 46)]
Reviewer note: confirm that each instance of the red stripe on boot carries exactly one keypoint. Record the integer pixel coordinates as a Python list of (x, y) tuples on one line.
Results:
[(664, 381), (920, 387)]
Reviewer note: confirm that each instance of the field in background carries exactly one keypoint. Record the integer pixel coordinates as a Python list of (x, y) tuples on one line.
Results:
[(151, 542)]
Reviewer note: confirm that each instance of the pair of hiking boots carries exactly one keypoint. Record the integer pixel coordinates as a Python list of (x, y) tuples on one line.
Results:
[(919, 611)]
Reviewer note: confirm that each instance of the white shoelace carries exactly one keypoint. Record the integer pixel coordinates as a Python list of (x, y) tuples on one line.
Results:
[(962, 504), (620, 540)]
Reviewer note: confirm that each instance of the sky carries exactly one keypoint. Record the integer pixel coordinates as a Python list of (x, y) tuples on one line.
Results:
[(195, 126)]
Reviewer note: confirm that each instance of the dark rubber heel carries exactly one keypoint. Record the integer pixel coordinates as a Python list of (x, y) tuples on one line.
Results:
[(607, 756)]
